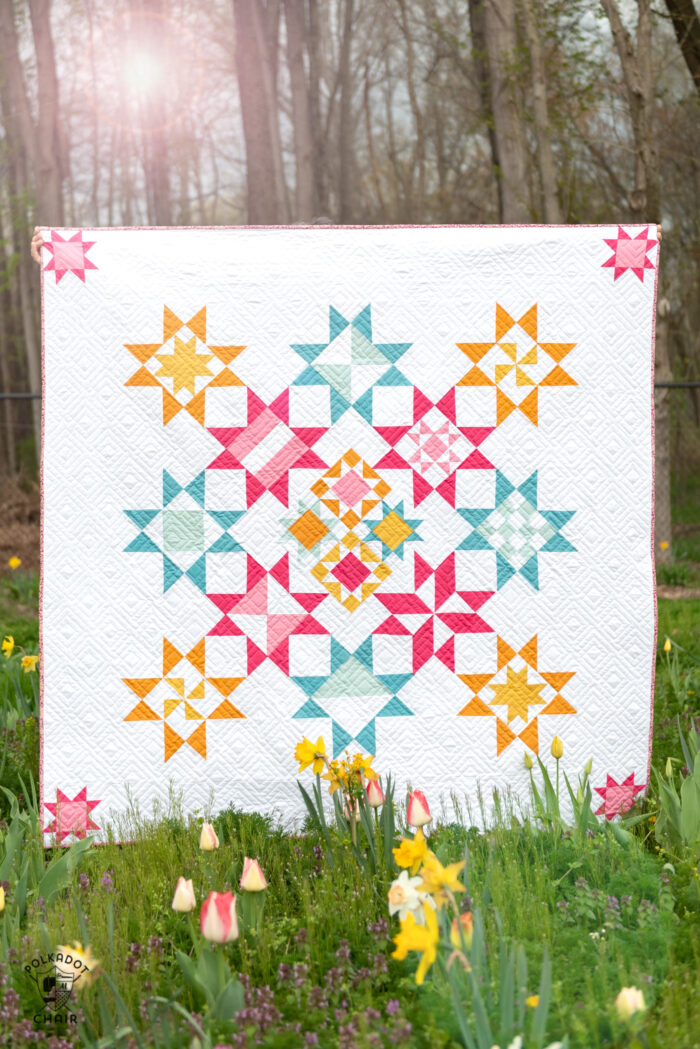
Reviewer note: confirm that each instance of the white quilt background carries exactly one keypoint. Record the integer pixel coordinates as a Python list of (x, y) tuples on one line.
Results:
[(103, 610)]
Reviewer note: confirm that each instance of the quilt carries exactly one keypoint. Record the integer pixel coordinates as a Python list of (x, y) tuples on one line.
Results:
[(388, 486)]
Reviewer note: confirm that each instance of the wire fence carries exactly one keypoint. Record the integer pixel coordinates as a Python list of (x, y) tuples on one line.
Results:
[(686, 385)]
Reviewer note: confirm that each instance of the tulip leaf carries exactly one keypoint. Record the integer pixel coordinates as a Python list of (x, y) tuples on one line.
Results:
[(60, 870), (229, 1001)]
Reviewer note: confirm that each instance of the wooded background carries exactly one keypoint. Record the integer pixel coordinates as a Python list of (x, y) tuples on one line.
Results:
[(191, 112)]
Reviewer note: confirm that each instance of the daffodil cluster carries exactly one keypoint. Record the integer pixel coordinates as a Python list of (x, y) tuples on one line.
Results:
[(417, 899), (349, 774)]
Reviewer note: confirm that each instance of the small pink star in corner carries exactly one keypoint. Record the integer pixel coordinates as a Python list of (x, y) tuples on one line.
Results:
[(72, 815), (618, 798), (630, 253), (69, 256)]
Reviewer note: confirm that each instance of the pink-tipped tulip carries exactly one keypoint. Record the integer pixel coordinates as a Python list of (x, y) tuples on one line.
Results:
[(208, 839), (252, 878), (217, 919), (375, 794), (418, 810), (184, 900)]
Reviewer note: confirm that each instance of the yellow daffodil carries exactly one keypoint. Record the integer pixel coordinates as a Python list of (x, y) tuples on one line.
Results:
[(29, 663), (336, 776), (364, 766), (411, 851), (80, 962), (14, 563), (8, 643), (415, 937), (308, 753), (436, 878)]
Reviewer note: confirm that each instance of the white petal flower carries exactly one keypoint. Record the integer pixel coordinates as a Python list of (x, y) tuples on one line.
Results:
[(404, 897)]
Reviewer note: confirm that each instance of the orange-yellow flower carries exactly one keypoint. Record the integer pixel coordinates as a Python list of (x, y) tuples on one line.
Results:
[(411, 851), (14, 563), (29, 663), (467, 923), (415, 937), (437, 879), (308, 753)]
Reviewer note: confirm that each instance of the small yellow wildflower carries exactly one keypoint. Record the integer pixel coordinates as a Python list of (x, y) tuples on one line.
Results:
[(308, 753), (664, 544), (436, 878), (29, 663), (533, 1001), (336, 776), (8, 643), (14, 563), (363, 766), (67, 956), (411, 851), (415, 937)]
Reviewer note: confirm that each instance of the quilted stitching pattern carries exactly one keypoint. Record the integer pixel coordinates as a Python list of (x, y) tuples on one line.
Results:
[(343, 527)]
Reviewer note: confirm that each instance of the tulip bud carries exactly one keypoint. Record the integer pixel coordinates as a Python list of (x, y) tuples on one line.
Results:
[(184, 900), (252, 878), (557, 748), (418, 810), (579, 795), (667, 644), (629, 1001), (588, 767), (669, 768), (465, 920), (527, 758), (208, 840), (2, 898), (351, 811), (217, 918), (375, 794)]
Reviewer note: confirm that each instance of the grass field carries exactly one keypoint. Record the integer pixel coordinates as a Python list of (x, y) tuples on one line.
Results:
[(567, 914)]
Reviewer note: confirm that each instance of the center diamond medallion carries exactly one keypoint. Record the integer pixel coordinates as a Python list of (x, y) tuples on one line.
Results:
[(351, 572)]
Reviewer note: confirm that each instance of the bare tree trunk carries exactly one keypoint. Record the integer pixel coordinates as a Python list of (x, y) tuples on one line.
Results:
[(345, 150), (267, 194), (301, 117), (645, 204), (662, 436), (20, 135), (371, 153), (639, 85), (501, 42), (51, 163), (548, 171), (483, 77), (686, 23), (320, 161), (415, 213), (154, 114), (5, 375)]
